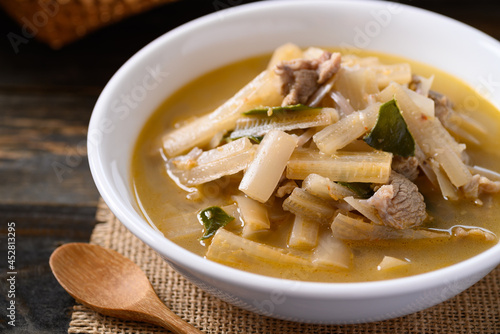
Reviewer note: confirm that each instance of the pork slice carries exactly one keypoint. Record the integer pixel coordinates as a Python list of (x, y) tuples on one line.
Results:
[(300, 78), (305, 84), (443, 108), (479, 185), (408, 167), (328, 66), (287, 78), (399, 204)]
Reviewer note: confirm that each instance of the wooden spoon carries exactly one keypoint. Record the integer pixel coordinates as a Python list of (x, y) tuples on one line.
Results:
[(113, 285)]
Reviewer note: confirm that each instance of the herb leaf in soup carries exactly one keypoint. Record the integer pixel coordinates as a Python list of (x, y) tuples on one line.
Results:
[(390, 133), (212, 219), (253, 139), (256, 139), (270, 111), (363, 190)]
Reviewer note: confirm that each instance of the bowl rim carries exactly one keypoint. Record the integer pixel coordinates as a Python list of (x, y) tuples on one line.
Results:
[(235, 277)]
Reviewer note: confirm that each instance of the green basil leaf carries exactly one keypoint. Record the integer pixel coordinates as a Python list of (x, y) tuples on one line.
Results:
[(213, 218), (390, 133), (363, 190), (271, 111), (255, 139)]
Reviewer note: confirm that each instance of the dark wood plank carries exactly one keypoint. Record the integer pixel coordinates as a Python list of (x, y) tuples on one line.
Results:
[(43, 156), (42, 305)]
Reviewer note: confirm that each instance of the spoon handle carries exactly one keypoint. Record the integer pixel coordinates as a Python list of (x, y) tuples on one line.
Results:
[(159, 314)]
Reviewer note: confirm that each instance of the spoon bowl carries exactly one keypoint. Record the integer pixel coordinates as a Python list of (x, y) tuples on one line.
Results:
[(113, 285)]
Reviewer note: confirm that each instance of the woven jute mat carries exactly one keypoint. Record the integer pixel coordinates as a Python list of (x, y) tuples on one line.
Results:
[(474, 311)]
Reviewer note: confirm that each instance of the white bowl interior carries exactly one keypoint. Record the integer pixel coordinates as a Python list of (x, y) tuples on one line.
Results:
[(183, 54)]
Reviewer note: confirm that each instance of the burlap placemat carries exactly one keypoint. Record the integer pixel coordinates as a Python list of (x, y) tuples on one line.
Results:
[(473, 311)]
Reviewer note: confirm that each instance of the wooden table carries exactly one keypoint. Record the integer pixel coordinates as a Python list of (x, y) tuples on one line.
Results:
[(46, 98)]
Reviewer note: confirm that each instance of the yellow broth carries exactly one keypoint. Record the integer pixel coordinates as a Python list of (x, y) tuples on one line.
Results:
[(159, 197)]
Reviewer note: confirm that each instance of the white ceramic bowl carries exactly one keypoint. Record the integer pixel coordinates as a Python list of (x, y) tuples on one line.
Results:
[(204, 44)]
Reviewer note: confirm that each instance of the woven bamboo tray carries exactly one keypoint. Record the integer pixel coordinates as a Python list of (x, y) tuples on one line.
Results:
[(59, 22)]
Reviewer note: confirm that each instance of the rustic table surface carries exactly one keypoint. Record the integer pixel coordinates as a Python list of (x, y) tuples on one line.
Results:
[(46, 99)]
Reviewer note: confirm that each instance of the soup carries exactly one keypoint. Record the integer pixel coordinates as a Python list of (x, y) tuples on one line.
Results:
[(351, 175)]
